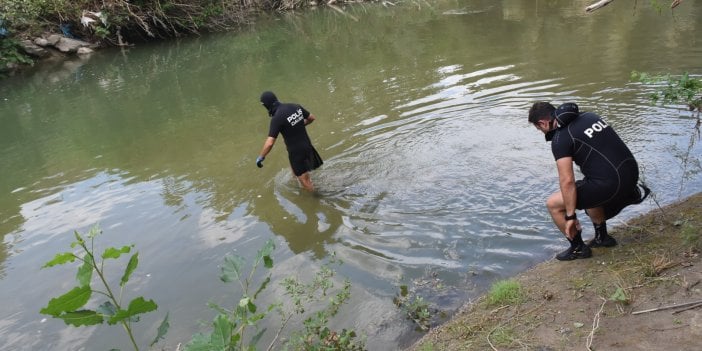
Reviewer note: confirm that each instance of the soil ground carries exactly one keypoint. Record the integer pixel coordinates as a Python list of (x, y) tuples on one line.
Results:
[(592, 304)]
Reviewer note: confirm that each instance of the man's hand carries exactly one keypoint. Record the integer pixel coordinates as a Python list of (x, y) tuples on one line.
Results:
[(571, 228), (259, 161)]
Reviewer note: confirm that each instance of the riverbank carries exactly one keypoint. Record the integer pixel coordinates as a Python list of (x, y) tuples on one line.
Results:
[(619, 299), (35, 31)]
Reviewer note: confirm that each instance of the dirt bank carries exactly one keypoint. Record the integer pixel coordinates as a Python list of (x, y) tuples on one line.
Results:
[(597, 303)]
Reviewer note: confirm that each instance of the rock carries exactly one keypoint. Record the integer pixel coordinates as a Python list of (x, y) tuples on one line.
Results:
[(84, 51), (68, 45), (32, 49), (41, 42), (53, 39)]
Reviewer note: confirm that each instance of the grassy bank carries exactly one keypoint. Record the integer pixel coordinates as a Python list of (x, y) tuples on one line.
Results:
[(126, 22), (596, 304)]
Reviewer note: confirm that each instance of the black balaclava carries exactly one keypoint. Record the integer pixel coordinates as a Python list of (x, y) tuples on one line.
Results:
[(270, 102)]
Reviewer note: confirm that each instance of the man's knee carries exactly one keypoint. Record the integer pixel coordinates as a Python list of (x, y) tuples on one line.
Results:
[(554, 202)]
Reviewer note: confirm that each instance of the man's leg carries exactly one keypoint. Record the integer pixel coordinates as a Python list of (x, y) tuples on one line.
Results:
[(577, 249), (599, 222), (306, 181)]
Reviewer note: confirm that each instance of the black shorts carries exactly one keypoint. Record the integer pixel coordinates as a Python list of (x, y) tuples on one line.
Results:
[(303, 161), (613, 195)]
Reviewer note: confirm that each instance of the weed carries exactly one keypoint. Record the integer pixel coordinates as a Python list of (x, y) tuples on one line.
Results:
[(231, 326), (414, 307), (692, 238), (621, 296), (505, 292), (71, 306)]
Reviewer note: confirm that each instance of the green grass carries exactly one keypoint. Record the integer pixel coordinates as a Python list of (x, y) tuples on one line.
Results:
[(505, 292)]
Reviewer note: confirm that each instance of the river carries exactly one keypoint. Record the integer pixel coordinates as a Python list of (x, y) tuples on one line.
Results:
[(433, 179)]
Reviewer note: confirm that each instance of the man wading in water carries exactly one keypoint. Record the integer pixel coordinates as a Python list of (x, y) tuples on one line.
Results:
[(610, 170), (290, 121)]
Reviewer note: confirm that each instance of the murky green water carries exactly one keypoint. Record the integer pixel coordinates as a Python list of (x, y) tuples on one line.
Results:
[(432, 176)]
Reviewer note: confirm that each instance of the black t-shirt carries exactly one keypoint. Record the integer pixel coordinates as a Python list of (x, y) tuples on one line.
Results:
[(593, 145), (288, 120)]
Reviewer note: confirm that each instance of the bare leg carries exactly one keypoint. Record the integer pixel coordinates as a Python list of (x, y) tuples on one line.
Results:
[(556, 207), (597, 215), (306, 181), (577, 249)]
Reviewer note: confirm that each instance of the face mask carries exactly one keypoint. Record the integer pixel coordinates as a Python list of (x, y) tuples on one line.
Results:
[(549, 135)]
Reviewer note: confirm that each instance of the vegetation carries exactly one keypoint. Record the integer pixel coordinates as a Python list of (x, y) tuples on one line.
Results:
[(11, 54), (231, 326), (70, 307), (414, 307), (586, 304), (505, 292), (674, 89), (685, 90), (120, 21), (235, 328)]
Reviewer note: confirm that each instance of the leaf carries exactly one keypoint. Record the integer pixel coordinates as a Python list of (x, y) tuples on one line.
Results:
[(222, 333), (231, 269), (244, 302), (68, 302), (81, 318), (79, 239), (267, 262), (61, 258), (266, 251), (85, 271), (264, 284), (131, 266), (112, 252), (619, 296), (162, 330), (94, 232), (107, 309), (199, 342), (256, 338), (136, 307)]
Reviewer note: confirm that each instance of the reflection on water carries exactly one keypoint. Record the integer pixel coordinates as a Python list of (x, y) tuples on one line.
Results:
[(432, 176)]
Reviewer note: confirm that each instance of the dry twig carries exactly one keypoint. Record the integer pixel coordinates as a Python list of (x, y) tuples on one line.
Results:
[(595, 324)]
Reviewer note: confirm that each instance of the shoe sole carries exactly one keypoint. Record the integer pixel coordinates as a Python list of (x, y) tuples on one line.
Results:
[(594, 244), (575, 256)]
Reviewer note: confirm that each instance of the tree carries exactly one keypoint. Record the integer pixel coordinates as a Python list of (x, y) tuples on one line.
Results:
[(602, 3)]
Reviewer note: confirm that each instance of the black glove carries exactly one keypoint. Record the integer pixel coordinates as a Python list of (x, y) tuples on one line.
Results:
[(259, 161)]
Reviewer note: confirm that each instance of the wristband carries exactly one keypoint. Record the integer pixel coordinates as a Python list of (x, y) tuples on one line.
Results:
[(571, 217)]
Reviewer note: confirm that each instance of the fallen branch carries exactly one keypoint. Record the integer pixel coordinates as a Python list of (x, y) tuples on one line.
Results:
[(595, 325), (672, 328), (668, 307), (598, 5), (688, 308)]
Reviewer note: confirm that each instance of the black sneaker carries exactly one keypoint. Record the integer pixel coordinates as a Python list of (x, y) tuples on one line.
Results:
[(572, 253), (608, 241)]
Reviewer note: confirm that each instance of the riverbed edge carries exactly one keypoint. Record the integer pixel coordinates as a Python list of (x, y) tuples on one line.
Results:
[(562, 301)]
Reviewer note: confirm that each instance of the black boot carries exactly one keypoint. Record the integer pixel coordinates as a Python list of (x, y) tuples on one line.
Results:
[(601, 239), (577, 249)]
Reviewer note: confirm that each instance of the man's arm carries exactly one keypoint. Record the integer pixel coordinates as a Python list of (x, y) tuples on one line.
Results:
[(566, 180), (309, 119), (267, 146)]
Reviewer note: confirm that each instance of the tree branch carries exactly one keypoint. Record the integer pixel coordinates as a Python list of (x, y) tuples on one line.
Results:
[(598, 5)]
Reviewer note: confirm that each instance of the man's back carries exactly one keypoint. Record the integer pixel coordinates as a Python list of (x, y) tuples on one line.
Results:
[(288, 120), (594, 146)]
